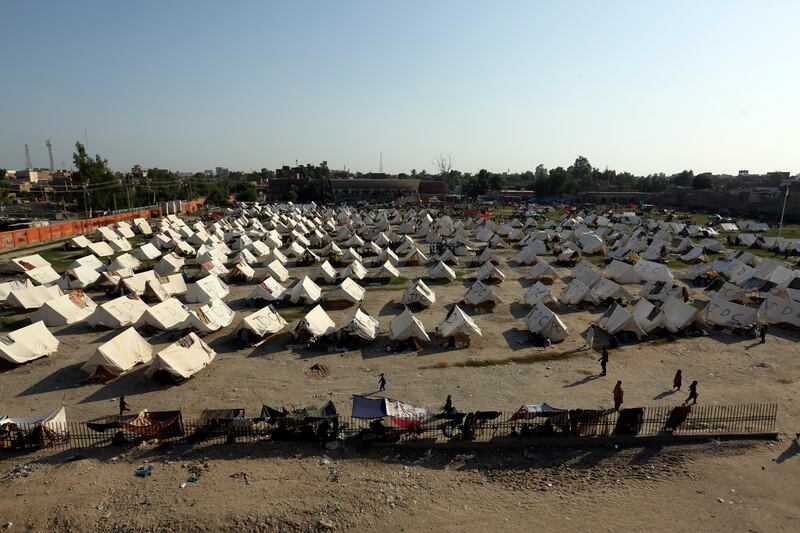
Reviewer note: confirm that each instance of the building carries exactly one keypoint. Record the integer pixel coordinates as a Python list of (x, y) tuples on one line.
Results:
[(375, 190), (222, 172), (432, 191)]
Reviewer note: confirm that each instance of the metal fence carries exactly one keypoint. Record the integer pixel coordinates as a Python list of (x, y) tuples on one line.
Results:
[(642, 423)]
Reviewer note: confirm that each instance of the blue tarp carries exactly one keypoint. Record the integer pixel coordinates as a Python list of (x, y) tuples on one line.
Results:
[(368, 407)]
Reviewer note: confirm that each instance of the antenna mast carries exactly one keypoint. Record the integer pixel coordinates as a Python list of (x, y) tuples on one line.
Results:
[(50, 153), (28, 164)]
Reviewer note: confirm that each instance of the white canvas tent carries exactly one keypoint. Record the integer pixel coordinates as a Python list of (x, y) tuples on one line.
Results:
[(315, 325), (776, 309), (268, 290), (617, 320), (182, 359), (119, 355), (32, 297), (418, 294), (28, 343), (650, 271), (458, 324), (481, 295), (206, 289), (305, 291), (78, 278), (346, 293), (68, 308), (622, 272), (257, 327), (169, 315), (360, 325), (441, 271), (541, 271), (118, 313), (542, 321), (8, 287), (324, 272), (720, 312), (677, 315), (537, 293), (406, 326), (211, 317)]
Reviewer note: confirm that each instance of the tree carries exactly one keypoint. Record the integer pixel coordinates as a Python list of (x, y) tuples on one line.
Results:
[(165, 185), (443, 163), (683, 178), (292, 195), (581, 174), (702, 181), (101, 187)]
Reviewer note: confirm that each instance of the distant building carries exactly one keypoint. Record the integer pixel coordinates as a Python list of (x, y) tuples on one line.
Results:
[(139, 172), (221, 172), (375, 190), (27, 176), (432, 190)]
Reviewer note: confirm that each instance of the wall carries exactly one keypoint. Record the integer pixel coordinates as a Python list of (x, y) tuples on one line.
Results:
[(62, 230)]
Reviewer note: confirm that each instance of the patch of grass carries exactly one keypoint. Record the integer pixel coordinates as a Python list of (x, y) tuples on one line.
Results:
[(528, 359), (597, 260), (60, 259), (698, 305), (399, 280), (292, 313)]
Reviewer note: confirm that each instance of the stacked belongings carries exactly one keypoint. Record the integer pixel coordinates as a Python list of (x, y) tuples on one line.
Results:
[(229, 423), (309, 424), (540, 419)]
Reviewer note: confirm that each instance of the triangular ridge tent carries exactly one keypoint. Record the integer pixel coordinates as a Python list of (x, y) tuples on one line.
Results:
[(118, 313), (28, 343), (117, 356), (182, 359), (257, 327), (68, 308)]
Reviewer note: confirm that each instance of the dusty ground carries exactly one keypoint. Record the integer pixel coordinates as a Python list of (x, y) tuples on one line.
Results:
[(669, 489)]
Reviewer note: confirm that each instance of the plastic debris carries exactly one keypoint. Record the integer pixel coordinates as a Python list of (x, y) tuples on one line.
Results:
[(144, 471)]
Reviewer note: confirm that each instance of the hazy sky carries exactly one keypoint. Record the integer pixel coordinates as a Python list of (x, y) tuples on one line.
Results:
[(189, 85)]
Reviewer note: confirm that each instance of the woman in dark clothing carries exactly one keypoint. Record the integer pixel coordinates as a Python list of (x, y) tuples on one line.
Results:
[(677, 380), (618, 395), (692, 393)]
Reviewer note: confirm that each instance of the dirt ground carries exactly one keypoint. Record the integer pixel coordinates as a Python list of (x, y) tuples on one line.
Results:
[(303, 488)]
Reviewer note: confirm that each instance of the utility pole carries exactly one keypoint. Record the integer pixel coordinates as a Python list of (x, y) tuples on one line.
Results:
[(783, 211)]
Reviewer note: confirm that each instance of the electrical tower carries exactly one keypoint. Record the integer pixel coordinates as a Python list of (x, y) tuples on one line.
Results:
[(50, 153), (28, 164), (380, 169)]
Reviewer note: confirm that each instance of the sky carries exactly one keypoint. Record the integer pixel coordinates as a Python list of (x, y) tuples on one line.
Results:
[(191, 85)]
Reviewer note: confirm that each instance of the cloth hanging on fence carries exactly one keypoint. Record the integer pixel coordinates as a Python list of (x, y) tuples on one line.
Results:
[(155, 424), (364, 407), (589, 422), (629, 421), (677, 417)]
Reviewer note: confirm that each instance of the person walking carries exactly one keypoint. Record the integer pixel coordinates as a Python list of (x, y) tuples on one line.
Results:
[(618, 395), (382, 382), (763, 334), (123, 406), (677, 381), (692, 393), (603, 360)]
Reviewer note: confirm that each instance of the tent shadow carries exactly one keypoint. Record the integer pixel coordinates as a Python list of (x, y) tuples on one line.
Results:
[(583, 381), (518, 310), (65, 378), (517, 339), (274, 345), (376, 348), (77, 328), (434, 347), (391, 308), (131, 384)]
